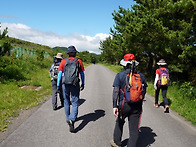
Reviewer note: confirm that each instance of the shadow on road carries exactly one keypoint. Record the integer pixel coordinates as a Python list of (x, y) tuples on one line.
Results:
[(81, 101), (88, 118), (146, 138)]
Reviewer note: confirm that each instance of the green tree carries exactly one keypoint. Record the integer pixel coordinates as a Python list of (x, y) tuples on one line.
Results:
[(5, 31), (5, 49), (155, 29)]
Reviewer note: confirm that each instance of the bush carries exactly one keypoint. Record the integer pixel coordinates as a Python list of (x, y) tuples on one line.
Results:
[(188, 91), (12, 72)]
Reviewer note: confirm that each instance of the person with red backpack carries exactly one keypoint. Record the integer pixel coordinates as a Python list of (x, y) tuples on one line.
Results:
[(69, 70), (161, 83), (128, 94)]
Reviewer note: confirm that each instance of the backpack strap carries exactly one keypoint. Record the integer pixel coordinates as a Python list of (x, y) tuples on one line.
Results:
[(123, 102), (163, 70), (77, 65)]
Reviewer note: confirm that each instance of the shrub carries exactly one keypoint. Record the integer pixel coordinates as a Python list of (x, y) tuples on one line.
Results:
[(188, 91), (12, 72)]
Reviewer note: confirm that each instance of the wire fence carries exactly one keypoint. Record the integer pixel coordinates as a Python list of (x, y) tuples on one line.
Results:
[(18, 51)]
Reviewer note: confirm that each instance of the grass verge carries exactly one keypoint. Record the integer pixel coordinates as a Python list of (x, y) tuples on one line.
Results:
[(13, 99)]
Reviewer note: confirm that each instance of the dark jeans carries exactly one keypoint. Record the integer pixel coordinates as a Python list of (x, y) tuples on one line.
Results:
[(133, 116), (54, 94), (164, 92)]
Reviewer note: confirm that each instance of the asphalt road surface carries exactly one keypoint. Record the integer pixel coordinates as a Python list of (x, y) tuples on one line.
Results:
[(95, 124)]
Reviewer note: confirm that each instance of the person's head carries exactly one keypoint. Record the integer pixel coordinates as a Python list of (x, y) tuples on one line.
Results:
[(59, 56), (162, 63), (71, 51), (128, 61)]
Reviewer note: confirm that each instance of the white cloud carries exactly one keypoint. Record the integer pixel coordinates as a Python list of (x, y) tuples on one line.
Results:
[(81, 42)]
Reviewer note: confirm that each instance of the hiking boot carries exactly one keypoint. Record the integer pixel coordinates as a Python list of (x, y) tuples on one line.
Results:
[(71, 126), (54, 108), (113, 144)]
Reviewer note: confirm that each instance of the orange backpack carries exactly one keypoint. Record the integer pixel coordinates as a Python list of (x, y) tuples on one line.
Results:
[(133, 91)]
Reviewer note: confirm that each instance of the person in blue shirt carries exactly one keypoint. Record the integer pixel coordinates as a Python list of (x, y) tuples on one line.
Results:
[(53, 75), (123, 109)]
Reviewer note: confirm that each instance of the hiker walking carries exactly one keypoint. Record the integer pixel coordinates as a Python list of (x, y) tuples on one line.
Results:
[(53, 75), (69, 71), (161, 82), (128, 94)]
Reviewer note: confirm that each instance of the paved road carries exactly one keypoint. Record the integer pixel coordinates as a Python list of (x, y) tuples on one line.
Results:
[(94, 128)]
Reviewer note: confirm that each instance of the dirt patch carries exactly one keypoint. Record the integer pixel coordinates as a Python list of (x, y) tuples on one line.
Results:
[(31, 87)]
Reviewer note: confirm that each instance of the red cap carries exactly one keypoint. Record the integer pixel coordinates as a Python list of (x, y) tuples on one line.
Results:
[(128, 57)]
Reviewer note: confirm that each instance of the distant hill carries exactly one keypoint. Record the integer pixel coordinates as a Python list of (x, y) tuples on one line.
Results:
[(24, 44)]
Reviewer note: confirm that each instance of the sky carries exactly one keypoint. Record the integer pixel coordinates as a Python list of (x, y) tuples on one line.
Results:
[(82, 23)]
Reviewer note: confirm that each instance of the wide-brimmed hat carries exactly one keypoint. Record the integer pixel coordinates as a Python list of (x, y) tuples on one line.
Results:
[(128, 58), (71, 49), (162, 62), (59, 56)]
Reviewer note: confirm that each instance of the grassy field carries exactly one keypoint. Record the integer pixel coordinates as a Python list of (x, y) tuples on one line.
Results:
[(181, 97)]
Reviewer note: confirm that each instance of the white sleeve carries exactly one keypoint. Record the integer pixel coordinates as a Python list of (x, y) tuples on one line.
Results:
[(156, 79)]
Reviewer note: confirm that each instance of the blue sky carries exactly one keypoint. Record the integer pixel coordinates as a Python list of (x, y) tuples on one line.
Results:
[(83, 23)]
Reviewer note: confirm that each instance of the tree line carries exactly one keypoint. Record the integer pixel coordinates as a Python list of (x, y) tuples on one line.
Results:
[(155, 29)]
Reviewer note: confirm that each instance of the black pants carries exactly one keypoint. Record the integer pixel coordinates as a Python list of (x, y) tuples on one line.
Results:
[(133, 114), (164, 92)]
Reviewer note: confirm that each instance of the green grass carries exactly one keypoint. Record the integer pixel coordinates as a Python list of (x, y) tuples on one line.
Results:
[(184, 106), (115, 68), (180, 99), (13, 99)]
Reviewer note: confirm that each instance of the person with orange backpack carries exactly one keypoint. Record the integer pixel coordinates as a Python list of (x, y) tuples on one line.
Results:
[(161, 83), (128, 94)]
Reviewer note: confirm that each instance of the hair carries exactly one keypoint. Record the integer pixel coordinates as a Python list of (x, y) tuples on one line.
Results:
[(72, 54), (163, 66), (129, 66)]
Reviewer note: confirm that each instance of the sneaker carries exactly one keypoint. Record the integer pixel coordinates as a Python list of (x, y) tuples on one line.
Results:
[(156, 105), (54, 108), (71, 126), (113, 144), (166, 110)]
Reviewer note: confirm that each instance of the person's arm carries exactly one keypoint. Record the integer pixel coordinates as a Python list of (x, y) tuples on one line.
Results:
[(50, 71), (155, 81), (115, 101), (82, 78), (144, 85), (59, 78)]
